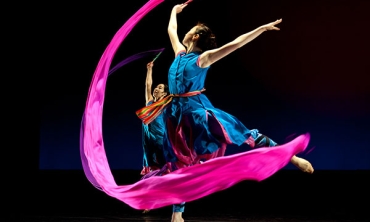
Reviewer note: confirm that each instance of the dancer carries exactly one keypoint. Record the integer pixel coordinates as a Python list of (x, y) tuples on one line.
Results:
[(153, 133), (197, 131), (193, 59)]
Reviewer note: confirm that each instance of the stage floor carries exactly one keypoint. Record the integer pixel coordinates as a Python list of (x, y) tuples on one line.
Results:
[(287, 196), (219, 218)]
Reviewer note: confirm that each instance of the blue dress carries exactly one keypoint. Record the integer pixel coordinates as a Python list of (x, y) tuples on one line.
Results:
[(195, 129), (152, 141)]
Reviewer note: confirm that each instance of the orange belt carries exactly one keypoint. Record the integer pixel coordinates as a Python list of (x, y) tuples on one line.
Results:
[(149, 113)]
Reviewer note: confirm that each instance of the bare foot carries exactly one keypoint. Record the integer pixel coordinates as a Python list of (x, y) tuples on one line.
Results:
[(302, 164), (146, 211), (177, 217)]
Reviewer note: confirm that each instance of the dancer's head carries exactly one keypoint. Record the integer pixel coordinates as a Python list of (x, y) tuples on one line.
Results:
[(201, 36), (160, 91)]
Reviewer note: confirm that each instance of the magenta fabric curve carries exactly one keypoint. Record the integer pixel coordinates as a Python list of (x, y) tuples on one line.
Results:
[(91, 141), (183, 185), (191, 183), (84, 161)]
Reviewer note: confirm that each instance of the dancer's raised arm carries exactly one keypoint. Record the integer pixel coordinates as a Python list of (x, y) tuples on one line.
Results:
[(211, 56), (172, 29), (148, 83)]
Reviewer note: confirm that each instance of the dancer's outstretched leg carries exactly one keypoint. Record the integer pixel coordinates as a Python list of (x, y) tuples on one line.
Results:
[(302, 164), (261, 140)]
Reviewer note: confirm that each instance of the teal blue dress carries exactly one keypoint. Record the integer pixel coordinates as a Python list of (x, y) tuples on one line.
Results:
[(152, 142), (195, 129)]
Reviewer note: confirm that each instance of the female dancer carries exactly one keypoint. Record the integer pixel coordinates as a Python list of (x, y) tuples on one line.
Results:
[(195, 130), (153, 133)]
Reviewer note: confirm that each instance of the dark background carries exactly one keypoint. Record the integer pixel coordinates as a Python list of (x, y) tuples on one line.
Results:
[(312, 76)]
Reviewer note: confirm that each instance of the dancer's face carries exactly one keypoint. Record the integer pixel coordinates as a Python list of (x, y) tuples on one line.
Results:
[(159, 91), (190, 37)]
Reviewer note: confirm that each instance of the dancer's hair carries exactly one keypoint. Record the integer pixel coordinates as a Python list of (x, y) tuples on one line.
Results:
[(207, 40), (166, 89)]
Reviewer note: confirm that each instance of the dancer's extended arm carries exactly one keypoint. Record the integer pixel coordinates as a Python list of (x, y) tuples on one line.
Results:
[(209, 57)]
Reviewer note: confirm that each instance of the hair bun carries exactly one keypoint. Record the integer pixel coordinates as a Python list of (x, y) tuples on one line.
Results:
[(207, 39)]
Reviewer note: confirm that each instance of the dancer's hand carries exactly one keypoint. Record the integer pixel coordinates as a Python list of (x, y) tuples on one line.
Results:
[(271, 26), (178, 8), (149, 65)]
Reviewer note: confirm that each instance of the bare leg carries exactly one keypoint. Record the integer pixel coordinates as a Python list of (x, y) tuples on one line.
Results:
[(302, 164), (177, 211), (177, 217), (264, 141)]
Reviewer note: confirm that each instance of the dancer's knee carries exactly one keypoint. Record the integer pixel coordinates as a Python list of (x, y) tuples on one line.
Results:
[(254, 133), (264, 141)]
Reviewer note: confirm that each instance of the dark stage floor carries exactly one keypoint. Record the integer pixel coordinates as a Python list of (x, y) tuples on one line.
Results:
[(286, 196)]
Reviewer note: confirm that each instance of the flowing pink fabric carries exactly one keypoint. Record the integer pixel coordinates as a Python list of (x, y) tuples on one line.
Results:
[(183, 185), (96, 166), (191, 183)]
